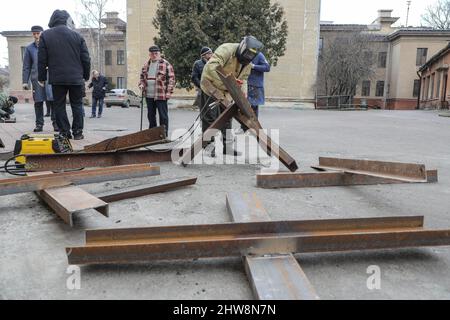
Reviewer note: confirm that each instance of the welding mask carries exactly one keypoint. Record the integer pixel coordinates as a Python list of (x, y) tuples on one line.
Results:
[(248, 49)]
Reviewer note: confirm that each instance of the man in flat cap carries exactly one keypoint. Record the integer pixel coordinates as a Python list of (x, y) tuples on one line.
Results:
[(157, 84), (30, 74)]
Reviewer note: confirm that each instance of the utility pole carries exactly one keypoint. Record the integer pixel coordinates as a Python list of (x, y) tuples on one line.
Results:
[(408, 3)]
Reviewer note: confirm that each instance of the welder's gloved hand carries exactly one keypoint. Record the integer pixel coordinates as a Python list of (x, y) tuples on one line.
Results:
[(42, 83)]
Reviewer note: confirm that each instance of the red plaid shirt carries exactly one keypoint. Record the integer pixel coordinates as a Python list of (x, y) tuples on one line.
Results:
[(165, 80)]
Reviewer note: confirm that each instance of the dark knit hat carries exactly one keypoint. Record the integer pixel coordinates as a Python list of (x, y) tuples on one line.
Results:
[(154, 49), (205, 50), (37, 29), (13, 99)]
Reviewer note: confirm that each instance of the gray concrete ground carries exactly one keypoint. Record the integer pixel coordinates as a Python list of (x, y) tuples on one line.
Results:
[(33, 263)]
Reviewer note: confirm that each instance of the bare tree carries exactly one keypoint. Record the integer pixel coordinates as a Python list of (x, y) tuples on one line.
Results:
[(91, 18), (345, 62), (438, 15)]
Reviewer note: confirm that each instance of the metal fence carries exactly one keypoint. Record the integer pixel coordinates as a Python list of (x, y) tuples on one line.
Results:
[(340, 103)]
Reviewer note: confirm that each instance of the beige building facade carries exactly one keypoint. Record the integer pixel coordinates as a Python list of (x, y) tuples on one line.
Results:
[(293, 79), (400, 52)]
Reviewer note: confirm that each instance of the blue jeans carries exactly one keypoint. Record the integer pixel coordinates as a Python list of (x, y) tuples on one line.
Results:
[(94, 106)]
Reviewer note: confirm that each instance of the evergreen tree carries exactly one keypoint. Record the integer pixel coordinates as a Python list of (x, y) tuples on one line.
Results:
[(186, 26)]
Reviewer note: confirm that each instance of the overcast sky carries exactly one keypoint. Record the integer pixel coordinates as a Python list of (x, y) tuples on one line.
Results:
[(22, 14)]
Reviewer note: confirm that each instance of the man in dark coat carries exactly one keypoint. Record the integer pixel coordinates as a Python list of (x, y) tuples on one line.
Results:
[(207, 114), (65, 53), (100, 85), (30, 73)]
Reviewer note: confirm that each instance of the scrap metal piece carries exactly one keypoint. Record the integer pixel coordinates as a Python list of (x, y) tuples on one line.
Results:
[(140, 191), (345, 172), (408, 172), (73, 161), (131, 141), (42, 182), (69, 200), (175, 243)]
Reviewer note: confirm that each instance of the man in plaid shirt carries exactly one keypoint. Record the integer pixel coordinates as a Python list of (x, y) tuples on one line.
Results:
[(157, 84)]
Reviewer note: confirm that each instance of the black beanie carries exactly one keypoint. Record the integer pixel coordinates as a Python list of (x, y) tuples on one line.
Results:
[(205, 50), (37, 29)]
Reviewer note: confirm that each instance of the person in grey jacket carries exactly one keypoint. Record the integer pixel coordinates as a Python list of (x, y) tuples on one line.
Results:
[(30, 74)]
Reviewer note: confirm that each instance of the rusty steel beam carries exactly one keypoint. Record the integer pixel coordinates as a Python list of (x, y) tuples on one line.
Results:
[(68, 200), (325, 179), (176, 243), (158, 187), (393, 170), (42, 182), (131, 141), (73, 161)]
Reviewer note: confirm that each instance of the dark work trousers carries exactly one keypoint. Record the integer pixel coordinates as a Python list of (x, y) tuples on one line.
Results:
[(96, 101), (163, 111), (51, 106), (39, 112), (209, 115), (76, 103), (256, 110)]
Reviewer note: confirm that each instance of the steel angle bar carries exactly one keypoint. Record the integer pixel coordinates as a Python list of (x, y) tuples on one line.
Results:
[(407, 172), (140, 191), (322, 179), (42, 182), (73, 161), (132, 141)]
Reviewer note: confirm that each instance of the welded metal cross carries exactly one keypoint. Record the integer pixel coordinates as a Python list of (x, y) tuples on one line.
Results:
[(266, 246)]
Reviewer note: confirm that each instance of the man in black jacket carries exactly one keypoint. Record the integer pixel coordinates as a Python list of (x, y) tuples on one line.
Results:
[(65, 53), (100, 85), (206, 114)]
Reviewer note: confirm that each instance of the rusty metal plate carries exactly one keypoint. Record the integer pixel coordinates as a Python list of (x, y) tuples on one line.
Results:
[(131, 141), (42, 182), (73, 161), (323, 179), (140, 191), (394, 170)]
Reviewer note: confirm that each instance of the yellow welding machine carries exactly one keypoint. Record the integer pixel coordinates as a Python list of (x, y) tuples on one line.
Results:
[(40, 144)]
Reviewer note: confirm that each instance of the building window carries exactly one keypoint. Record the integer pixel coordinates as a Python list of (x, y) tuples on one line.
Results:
[(120, 57), (438, 86), (431, 95), (427, 90), (120, 83), (108, 57), (380, 89), (421, 57), (416, 88), (365, 89), (22, 50), (382, 56), (110, 83)]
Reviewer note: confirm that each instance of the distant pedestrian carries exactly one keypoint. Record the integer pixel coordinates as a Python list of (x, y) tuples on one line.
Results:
[(157, 84), (100, 85), (30, 73), (256, 95), (65, 53)]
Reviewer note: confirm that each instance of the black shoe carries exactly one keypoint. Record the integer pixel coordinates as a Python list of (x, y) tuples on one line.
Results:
[(99, 116), (38, 129), (231, 152), (78, 136), (48, 115), (93, 116), (66, 135)]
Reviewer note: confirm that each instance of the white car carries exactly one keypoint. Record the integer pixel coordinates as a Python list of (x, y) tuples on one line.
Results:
[(122, 97)]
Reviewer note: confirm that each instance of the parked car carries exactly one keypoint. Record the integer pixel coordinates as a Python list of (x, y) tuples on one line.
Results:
[(122, 97)]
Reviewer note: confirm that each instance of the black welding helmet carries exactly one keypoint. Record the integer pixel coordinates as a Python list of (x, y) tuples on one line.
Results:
[(248, 49)]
